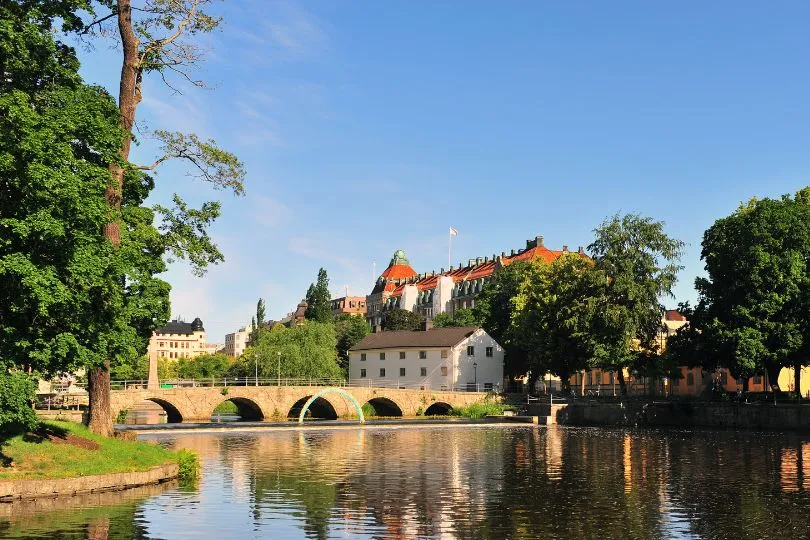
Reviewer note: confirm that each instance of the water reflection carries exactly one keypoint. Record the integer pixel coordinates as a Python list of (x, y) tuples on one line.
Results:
[(478, 482)]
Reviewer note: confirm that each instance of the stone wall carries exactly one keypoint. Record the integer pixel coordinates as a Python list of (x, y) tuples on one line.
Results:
[(57, 487), (687, 414)]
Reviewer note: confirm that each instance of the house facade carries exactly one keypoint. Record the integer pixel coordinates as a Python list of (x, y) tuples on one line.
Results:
[(435, 358), (353, 305), (431, 293), (237, 342)]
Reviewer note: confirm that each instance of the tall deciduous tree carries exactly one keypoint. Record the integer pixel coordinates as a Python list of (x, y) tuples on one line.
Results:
[(401, 319), (754, 304), (554, 312), (319, 300), (459, 318), (258, 321), (350, 329), (640, 264), (495, 310), (157, 37)]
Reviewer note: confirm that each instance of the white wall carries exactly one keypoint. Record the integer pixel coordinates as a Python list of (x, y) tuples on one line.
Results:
[(442, 295), (408, 299), (488, 370)]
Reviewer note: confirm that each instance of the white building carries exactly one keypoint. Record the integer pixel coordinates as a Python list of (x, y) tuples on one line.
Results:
[(437, 358), (236, 342)]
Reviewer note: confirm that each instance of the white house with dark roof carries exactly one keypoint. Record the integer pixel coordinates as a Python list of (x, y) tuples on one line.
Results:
[(437, 358)]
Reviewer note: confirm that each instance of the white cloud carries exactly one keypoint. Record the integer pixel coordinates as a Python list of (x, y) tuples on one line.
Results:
[(270, 212)]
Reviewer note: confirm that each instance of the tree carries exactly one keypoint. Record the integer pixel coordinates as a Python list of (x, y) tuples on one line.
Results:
[(639, 262), (319, 299), (204, 366), (350, 329), (753, 305), (401, 319), (258, 321), (554, 312), (306, 352), (16, 394), (459, 318), (495, 310), (154, 38)]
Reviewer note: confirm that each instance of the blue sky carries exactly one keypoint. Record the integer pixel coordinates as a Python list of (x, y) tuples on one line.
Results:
[(369, 126)]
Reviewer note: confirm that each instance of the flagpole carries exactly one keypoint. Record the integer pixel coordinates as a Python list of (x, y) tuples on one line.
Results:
[(449, 243)]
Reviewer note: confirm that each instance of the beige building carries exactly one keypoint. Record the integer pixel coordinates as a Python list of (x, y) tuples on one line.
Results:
[(176, 340), (237, 342), (435, 358), (354, 305)]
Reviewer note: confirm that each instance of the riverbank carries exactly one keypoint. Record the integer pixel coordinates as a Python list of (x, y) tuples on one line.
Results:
[(705, 414), (64, 458)]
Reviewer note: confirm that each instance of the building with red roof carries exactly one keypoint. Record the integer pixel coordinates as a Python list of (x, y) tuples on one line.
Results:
[(431, 293)]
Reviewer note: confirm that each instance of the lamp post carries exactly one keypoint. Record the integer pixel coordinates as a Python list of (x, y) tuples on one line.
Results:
[(475, 375), (278, 371)]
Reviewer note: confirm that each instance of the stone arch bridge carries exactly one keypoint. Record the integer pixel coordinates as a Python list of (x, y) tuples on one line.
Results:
[(197, 404)]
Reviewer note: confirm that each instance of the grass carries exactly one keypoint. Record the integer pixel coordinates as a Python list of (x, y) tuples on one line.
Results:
[(481, 409), (34, 458)]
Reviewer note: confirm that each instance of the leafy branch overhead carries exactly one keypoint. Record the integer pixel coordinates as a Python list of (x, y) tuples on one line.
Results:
[(185, 233), (210, 163)]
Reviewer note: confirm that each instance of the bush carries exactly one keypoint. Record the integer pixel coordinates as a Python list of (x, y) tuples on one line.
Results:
[(482, 409), (17, 391), (189, 462)]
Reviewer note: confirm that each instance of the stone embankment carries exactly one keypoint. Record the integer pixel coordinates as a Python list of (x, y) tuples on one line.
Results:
[(765, 416), (11, 490)]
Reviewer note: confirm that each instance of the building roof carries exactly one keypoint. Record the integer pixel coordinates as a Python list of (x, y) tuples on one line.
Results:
[(435, 337), (180, 327), (674, 315)]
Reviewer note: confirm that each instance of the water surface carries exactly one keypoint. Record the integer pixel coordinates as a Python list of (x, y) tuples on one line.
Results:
[(458, 482)]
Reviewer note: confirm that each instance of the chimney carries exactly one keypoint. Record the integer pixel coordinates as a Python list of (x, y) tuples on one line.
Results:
[(451, 268), (538, 240), (580, 250), (427, 324), (513, 253), (503, 254), (565, 248), (486, 260)]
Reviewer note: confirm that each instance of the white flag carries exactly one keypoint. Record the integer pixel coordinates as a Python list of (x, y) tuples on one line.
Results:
[(453, 232)]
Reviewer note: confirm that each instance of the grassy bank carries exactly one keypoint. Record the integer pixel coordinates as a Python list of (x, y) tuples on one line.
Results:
[(482, 409), (66, 449)]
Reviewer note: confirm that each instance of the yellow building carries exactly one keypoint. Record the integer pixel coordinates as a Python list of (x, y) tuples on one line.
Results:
[(177, 339)]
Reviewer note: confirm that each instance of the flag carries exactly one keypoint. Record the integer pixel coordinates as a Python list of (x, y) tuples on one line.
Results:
[(453, 232)]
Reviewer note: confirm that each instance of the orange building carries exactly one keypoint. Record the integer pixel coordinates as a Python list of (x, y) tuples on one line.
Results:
[(353, 305)]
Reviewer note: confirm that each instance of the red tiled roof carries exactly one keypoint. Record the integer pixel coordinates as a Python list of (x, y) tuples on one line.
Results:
[(398, 271), (674, 315)]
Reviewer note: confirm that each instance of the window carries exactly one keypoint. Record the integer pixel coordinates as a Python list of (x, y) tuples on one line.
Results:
[(422, 355), (382, 372), (444, 371), (488, 387), (423, 372), (402, 355), (489, 352), (402, 372), (444, 353), (363, 373), (382, 356), (470, 350), (757, 379), (362, 357), (162, 343), (690, 379)]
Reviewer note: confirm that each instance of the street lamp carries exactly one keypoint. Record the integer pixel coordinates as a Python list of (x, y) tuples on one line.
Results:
[(475, 374), (278, 371)]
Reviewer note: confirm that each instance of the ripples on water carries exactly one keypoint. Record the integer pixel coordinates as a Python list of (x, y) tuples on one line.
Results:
[(457, 482)]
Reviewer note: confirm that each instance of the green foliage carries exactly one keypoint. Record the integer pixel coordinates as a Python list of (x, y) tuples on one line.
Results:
[(135, 367), (494, 309), (639, 262), (17, 391), (349, 329), (753, 314), (226, 407), (401, 319), (204, 366), (481, 409), (554, 312), (257, 322), (307, 351), (122, 416), (459, 318), (319, 308), (368, 410), (189, 466)]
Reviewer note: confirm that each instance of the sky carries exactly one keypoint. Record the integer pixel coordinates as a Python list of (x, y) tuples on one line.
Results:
[(367, 127)]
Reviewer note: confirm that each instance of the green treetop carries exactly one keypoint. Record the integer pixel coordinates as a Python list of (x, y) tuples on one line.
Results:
[(319, 300)]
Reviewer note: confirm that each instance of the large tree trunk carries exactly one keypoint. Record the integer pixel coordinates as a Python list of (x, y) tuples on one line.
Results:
[(100, 415), (797, 378), (622, 384), (773, 376), (100, 418)]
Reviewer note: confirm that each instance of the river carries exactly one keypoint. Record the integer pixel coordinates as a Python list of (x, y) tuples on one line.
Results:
[(456, 482)]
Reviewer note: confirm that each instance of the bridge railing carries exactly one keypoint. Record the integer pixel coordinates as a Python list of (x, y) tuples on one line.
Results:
[(167, 384)]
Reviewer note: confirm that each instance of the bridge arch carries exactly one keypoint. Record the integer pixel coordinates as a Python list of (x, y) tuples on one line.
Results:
[(320, 408), (246, 408), (322, 393), (439, 408), (173, 415), (384, 406)]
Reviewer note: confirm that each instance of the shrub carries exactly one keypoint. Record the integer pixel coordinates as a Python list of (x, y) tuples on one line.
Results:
[(368, 410), (17, 391), (481, 409), (189, 470)]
